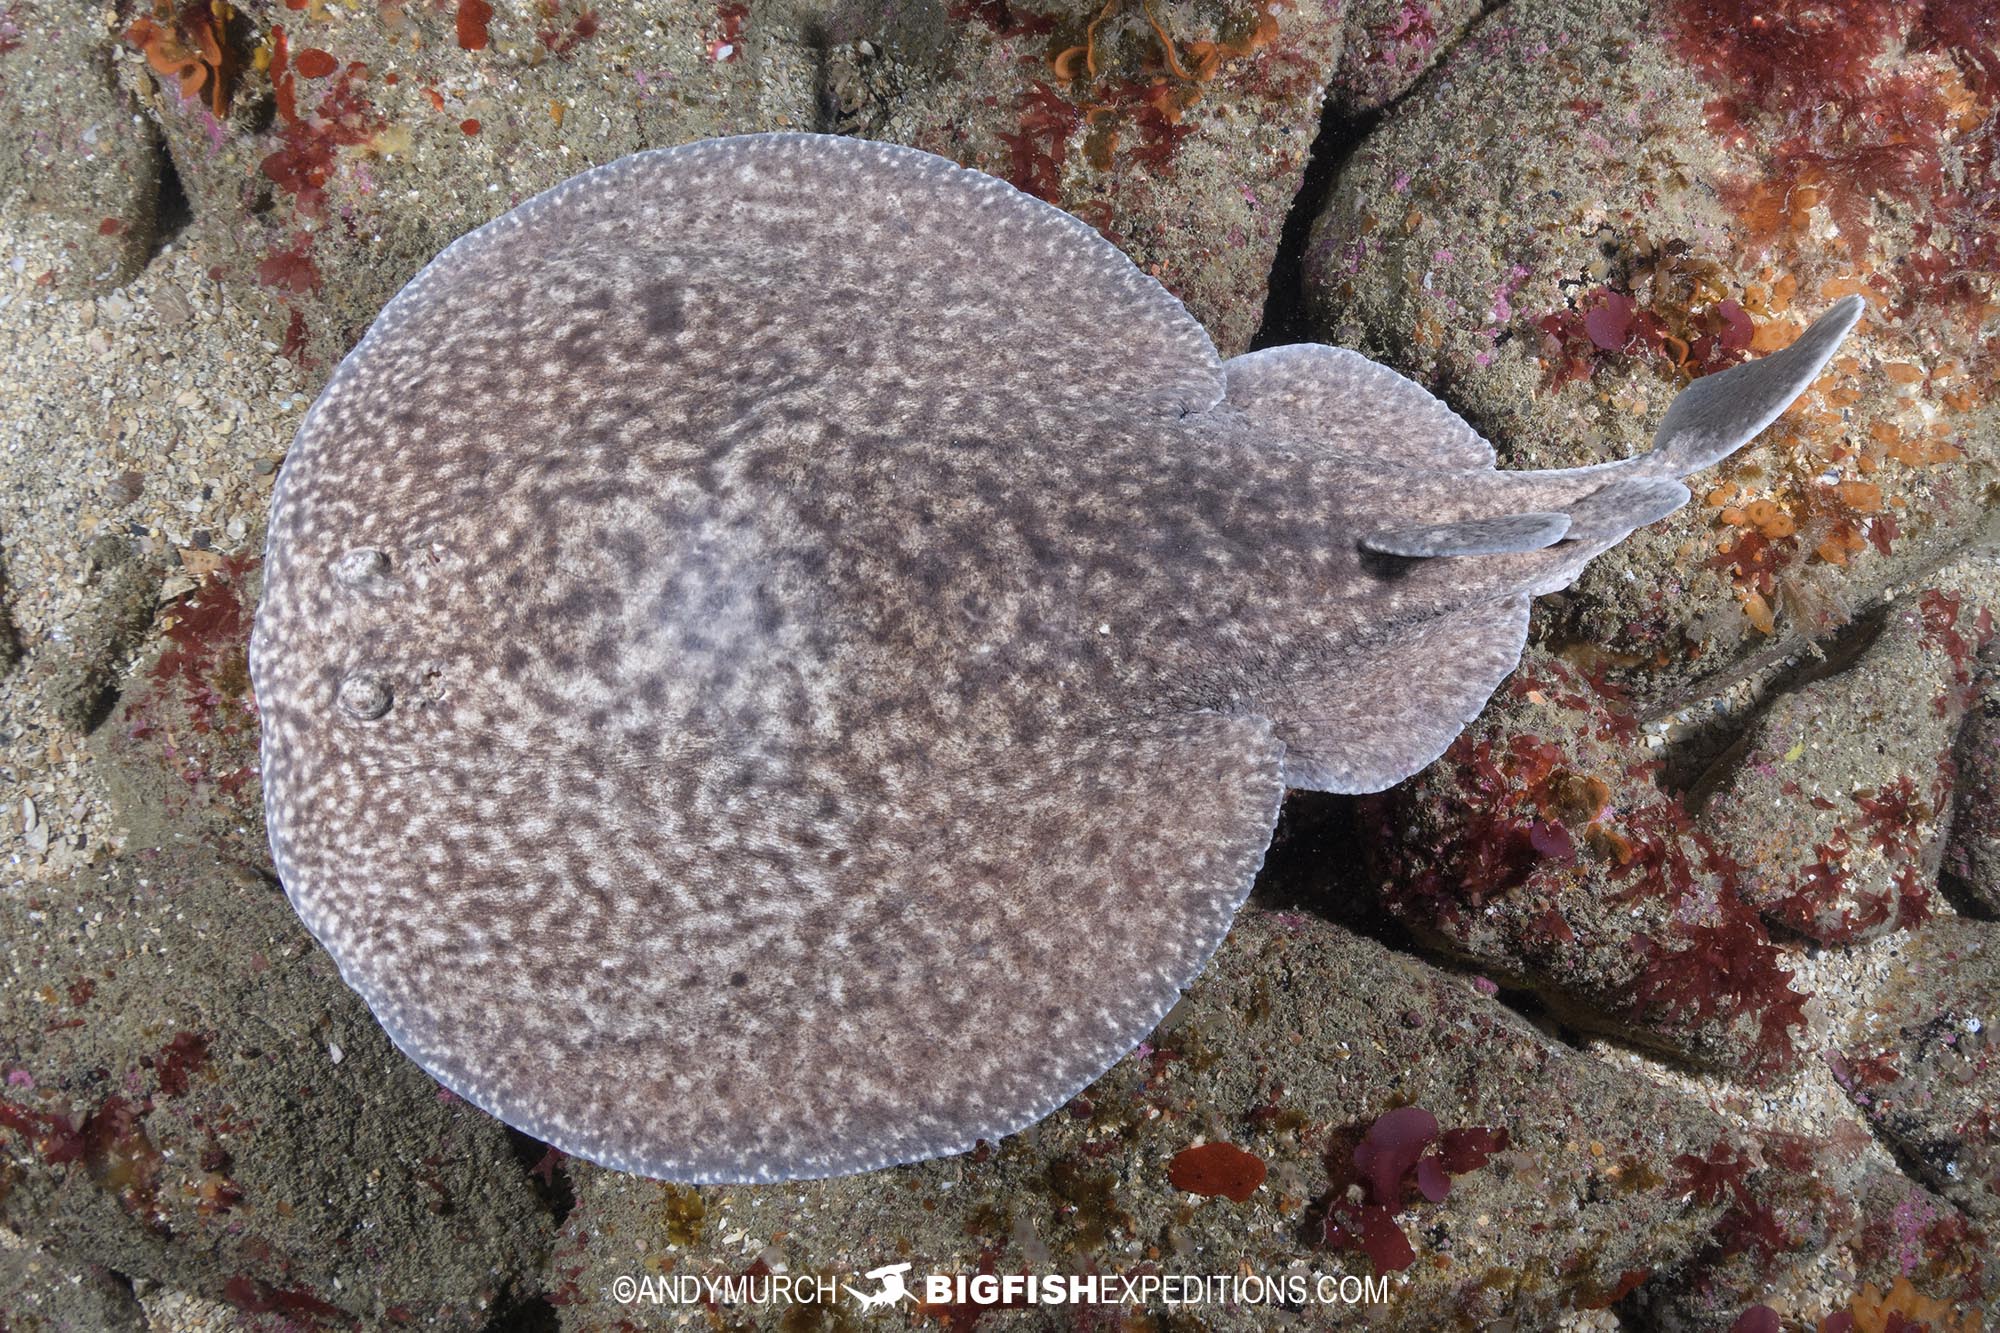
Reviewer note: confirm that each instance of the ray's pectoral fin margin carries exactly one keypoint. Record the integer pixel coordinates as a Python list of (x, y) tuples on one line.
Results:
[(1370, 717)]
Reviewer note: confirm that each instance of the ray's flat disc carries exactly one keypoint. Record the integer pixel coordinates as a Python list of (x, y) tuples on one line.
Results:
[(781, 656)]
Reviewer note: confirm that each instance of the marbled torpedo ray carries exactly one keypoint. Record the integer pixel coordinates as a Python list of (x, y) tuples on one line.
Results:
[(781, 656)]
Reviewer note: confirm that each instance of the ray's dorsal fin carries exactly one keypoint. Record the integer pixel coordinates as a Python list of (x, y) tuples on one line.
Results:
[(1718, 414), (1472, 536), (1623, 505), (1330, 398)]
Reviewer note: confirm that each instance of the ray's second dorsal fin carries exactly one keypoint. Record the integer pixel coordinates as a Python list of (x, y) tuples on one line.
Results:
[(1623, 505)]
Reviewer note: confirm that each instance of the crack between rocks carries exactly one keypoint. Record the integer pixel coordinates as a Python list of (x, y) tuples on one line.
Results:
[(1696, 758), (1286, 319)]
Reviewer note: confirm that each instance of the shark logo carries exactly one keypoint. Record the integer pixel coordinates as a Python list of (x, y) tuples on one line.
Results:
[(892, 1289)]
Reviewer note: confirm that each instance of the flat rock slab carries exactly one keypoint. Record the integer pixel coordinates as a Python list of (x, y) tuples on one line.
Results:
[(1297, 1039), (1836, 801), (1584, 205), (189, 1094), (75, 154), (1923, 1062)]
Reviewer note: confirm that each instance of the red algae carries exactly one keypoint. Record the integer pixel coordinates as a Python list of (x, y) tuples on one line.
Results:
[(1789, 56), (1000, 16), (207, 640), (472, 18), (111, 1145), (1722, 968), (561, 40), (1211, 1169), (1391, 1148), (291, 269), (1718, 1175), (313, 63), (1969, 32), (1775, 1203), (1940, 613), (1841, 121), (1682, 342), (306, 157), (731, 17), (1394, 1158), (1037, 151), (182, 1057), (293, 349), (1757, 1319), (254, 1297), (202, 712)]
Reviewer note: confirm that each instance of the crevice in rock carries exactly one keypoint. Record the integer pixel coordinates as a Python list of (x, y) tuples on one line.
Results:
[(1316, 866), (1798, 657), (1966, 897), (1909, 1162), (172, 213), (524, 1314), (551, 1187), (1534, 1010), (1285, 316), (1340, 132), (1700, 758), (1961, 897), (826, 96), (10, 634), (1313, 864)]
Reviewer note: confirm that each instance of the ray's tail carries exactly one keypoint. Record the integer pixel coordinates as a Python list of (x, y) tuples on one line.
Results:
[(1593, 507)]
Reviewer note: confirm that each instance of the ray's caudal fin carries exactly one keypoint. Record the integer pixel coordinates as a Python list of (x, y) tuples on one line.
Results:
[(1706, 422), (1718, 414)]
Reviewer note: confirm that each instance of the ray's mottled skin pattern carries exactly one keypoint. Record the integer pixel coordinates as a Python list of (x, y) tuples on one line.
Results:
[(781, 656)]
